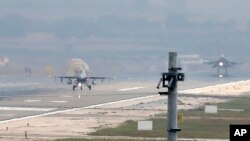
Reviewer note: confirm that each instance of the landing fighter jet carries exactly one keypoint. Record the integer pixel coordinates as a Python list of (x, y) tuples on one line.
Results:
[(4, 61), (222, 65), (80, 80)]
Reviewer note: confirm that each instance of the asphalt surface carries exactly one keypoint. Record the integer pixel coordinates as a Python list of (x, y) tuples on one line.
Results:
[(55, 97), (29, 97)]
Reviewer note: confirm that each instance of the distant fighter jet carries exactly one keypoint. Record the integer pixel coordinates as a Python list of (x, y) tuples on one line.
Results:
[(80, 80), (222, 65), (4, 61)]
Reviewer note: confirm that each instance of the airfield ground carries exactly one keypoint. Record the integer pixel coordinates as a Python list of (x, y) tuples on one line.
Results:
[(196, 124), (78, 122)]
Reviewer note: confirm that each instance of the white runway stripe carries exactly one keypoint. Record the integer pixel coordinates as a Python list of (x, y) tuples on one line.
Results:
[(129, 89), (67, 96), (25, 109), (33, 100), (6, 115), (59, 101)]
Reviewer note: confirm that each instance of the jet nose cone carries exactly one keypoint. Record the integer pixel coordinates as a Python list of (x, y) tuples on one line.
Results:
[(221, 64), (221, 76)]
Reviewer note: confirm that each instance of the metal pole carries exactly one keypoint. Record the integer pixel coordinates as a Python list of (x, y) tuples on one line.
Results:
[(172, 100)]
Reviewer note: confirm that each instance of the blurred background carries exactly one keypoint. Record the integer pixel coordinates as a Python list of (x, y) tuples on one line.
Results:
[(129, 39)]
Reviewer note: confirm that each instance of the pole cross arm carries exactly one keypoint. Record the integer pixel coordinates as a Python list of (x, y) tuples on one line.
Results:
[(163, 93), (174, 130), (174, 69)]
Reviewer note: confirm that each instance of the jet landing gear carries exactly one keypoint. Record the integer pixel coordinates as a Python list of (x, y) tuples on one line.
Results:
[(74, 87), (222, 72), (81, 87), (89, 88)]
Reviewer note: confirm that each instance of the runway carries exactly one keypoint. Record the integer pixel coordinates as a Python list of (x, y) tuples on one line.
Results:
[(58, 97), (63, 112), (61, 97)]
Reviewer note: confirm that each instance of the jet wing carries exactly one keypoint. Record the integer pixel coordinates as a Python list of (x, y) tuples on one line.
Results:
[(213, 64), (67, 77), (234, 63), (94, 77), (98, 78), (88, 77), (210, 62)]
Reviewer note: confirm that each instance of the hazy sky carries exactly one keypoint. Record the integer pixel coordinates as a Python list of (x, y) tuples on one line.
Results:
[(122, 32), (59, 9)]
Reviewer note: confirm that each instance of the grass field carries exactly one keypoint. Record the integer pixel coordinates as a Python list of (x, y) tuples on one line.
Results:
[(95, 140), (76, 140), (196, 124)]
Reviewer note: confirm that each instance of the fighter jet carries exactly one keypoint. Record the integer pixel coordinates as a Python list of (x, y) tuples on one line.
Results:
[(4, 61), (80, 80), (222, 65)]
